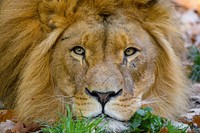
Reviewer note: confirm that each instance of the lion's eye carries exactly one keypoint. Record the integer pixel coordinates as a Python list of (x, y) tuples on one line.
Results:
[(130, 51), (78, 50)]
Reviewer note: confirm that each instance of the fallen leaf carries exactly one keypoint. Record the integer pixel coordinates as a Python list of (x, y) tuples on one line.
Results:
[(6, 126), (190, 4), (164, 130), (185, 121), (21, 128), (6, 115), (196, 119)]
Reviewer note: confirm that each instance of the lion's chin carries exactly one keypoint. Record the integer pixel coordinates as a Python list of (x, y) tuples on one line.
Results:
[(111, 125)]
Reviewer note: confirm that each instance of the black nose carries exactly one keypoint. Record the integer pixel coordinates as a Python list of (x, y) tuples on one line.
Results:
[(103, 97)]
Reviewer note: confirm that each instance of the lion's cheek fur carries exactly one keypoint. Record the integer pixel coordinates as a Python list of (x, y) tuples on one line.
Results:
[(63, 80), (86, 106)]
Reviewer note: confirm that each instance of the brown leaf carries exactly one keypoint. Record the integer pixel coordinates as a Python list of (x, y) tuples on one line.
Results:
[(192, 131), (190, 4), (185, 121), (164, 130), (6, 126), (6, 115), (21, 128), (8, 131), (196, 119)]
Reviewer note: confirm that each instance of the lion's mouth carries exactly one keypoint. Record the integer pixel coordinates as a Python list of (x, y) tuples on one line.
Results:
[(111, 124), (108, 117)]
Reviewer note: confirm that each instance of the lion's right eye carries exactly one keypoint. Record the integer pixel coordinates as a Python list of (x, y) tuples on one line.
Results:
[(130, 51), (78, 50)]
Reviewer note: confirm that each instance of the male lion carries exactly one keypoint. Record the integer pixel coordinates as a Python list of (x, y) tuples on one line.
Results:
[(99, 56)]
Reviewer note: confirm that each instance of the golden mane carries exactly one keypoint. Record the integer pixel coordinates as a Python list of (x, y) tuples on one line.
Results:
[(30, 28)]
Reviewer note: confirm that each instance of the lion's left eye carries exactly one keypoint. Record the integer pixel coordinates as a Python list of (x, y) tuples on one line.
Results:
[(130, 51), (78, 50)]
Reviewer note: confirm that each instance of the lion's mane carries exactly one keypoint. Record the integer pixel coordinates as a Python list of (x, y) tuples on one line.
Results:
[(30, 28)]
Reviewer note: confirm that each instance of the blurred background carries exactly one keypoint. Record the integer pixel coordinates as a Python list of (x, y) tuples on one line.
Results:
[(188, 11)]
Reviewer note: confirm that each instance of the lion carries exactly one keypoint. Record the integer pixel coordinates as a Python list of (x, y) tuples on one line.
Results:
[(100, 57)]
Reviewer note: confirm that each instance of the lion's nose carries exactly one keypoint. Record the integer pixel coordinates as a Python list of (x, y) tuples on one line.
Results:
[(103, 97)]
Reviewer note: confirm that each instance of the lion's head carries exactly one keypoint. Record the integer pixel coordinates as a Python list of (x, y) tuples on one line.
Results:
[(102, 57)]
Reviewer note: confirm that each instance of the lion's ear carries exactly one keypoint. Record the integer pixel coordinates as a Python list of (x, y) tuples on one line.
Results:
[(56, 13)]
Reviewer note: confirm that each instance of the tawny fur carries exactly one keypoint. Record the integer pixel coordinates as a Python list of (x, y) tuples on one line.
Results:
[(29, 29)]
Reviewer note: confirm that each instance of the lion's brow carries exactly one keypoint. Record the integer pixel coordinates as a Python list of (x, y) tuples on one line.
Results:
[(65, 38)]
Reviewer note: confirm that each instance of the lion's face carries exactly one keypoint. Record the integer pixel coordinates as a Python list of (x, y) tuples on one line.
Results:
[(107, 66), (103, 57)]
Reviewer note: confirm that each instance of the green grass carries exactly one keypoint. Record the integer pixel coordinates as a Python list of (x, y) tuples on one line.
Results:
[(143, 121), (69, 125), (194, 55)]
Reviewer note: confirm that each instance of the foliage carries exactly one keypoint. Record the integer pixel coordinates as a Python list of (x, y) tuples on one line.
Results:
[(69, 125), (143, 121), (195, 57)]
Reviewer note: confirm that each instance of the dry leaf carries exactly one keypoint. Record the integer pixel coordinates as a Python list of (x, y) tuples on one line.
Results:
[(21, 128), (164, 130), (190, 4), (196, 119), (6, 126), (185, 121), (6, 115)]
